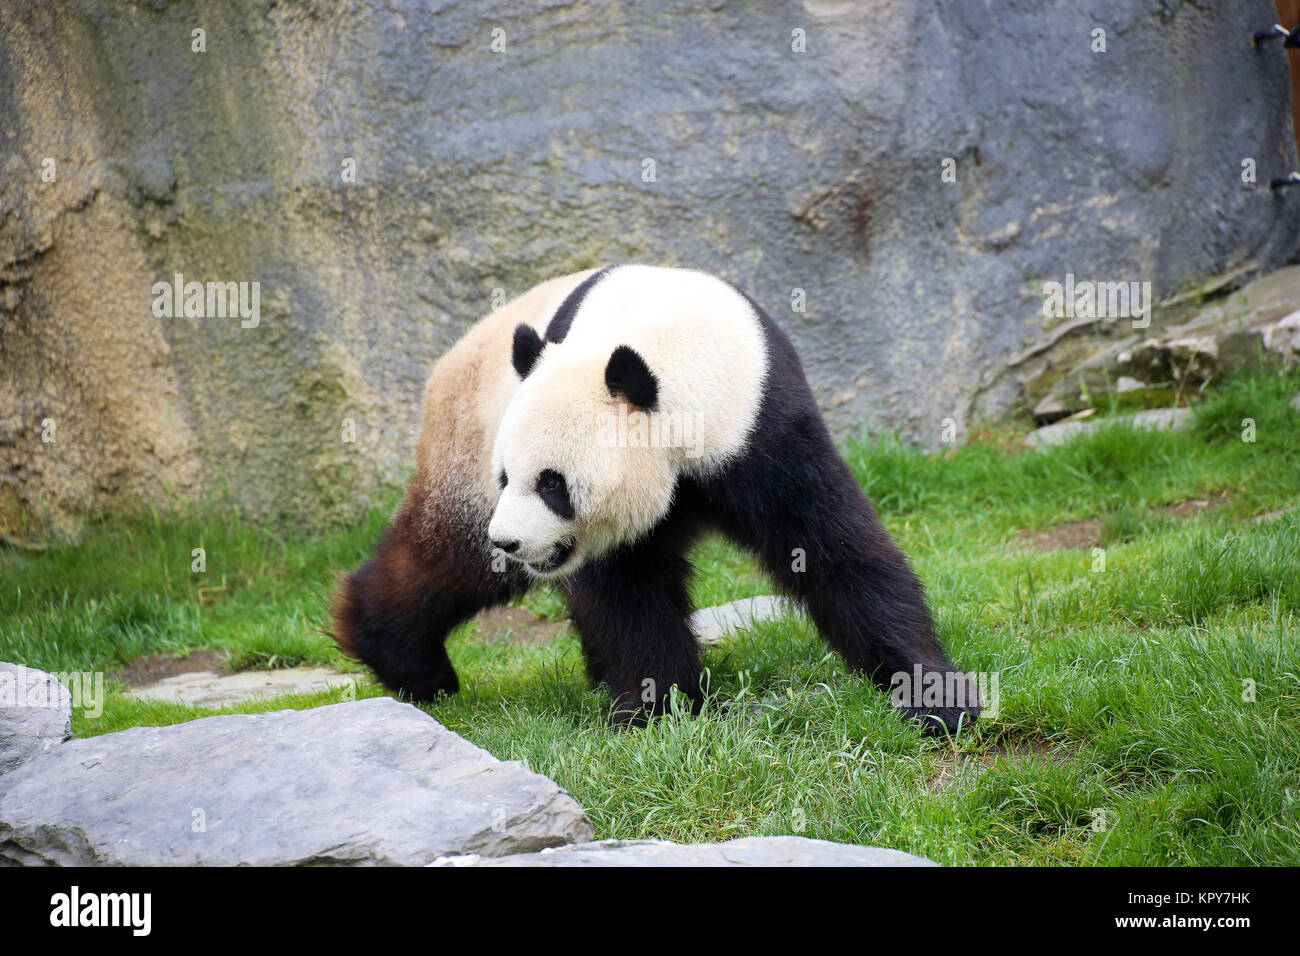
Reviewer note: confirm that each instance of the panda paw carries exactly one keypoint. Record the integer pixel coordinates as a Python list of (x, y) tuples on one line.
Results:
[(630, 711), (942, 721), (428, 687)]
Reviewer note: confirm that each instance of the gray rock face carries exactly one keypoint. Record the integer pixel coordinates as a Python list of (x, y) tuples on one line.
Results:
[(750, 851), (35, 714), (1257, 324), (382, 169), (366, 782)]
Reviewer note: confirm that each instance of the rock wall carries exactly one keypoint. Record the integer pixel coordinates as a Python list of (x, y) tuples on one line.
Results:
[(794, 146)]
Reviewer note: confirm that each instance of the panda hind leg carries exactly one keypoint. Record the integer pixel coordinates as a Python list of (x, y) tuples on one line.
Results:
[(832, 555)]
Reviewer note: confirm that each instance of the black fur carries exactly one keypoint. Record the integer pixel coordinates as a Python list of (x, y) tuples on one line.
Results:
[(554, 492), (789, 497), (563, 318), (395, 611), (628, 375), (525, 350), (789, 494), (631, 609)]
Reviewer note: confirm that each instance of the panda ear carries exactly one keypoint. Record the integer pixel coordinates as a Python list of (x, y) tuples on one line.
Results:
[(629, 376), (527, 346)]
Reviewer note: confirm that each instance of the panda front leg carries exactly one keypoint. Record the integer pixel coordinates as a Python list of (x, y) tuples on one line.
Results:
[(632, 612), (395, 611), (820, 538)]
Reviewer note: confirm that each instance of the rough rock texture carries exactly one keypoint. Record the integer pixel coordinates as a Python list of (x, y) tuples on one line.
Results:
[(1255, 325), (750, 851), (1158, 419), (35, 714), (366, 782), (814, 169)]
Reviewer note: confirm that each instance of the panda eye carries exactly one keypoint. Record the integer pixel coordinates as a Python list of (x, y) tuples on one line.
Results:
[(554, 491), (502, 480)]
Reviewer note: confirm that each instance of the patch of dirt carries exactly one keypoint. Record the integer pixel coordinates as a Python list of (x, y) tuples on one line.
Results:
[(1273, 515), (1190, 507), (950, 771), (150, 670), (514, 625), (1087, 534), (1063, 537)]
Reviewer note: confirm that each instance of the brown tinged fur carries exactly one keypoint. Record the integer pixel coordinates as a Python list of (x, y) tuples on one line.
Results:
[(433, 568)]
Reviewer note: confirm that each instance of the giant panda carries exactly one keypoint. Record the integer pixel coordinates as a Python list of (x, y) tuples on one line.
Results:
[(586, 432)]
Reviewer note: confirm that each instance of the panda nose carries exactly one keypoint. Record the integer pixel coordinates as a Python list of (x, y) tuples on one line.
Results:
[(509, 547)]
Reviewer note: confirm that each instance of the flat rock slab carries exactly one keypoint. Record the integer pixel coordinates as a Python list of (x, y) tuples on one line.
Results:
[(1164, 419), (35, 714), (210, 689), (364, 782), (712, 624), (750, 851)]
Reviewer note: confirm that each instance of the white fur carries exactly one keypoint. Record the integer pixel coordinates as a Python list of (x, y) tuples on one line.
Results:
[(704, 344)]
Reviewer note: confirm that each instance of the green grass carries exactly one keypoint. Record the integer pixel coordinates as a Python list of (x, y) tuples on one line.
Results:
[(1149, 712)]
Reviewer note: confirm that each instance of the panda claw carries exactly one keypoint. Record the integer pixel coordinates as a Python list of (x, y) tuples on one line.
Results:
[(942, 721)]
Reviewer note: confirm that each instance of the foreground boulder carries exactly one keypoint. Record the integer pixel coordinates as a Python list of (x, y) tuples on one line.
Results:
[(750, 851), (364, 782), (35, 714)]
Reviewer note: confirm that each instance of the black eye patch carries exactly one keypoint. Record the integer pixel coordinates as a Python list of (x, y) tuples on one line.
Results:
[(502, 481), (554, 491)]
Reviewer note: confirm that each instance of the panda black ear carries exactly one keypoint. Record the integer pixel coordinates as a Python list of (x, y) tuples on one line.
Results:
[(527, 346), (628, 375)]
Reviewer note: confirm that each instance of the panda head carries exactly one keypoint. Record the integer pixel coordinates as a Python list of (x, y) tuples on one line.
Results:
[(569, 492)]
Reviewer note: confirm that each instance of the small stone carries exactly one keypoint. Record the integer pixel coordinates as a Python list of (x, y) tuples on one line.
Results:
[(1157, 418), (1162, 419), (1282, 338), (1052, 406), (1193, 347), (712, 624)]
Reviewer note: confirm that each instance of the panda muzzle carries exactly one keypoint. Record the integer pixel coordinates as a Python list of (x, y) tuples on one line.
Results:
[(557, 558)]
